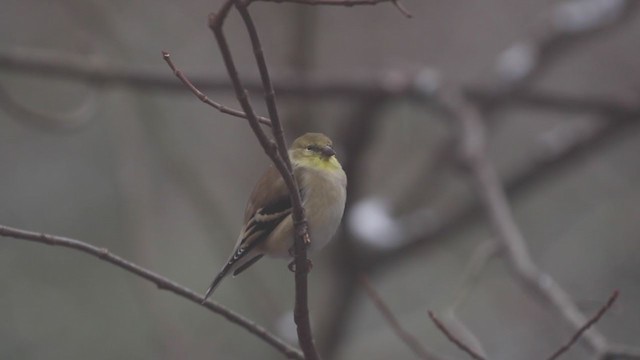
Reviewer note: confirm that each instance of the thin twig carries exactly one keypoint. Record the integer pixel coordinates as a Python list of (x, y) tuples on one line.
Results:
[(478, 262), (406, 337), (586, 326), (269, 93), (457, 342), (403, 10), (161, 282), (202, 97)]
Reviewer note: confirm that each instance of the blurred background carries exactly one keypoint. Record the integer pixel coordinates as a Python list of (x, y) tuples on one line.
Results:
[(99, 142)]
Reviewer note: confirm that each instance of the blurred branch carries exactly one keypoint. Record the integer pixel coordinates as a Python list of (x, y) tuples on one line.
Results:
[(543, 163), (568, 23), (406, 337), (202, 97), (457, 342), (161, 282), (405, 86), (69, 121), (357, 136), (494, 200), (480, 258), (586, 326)]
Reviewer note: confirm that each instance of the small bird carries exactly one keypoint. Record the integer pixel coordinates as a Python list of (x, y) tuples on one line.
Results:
[(268, 225)]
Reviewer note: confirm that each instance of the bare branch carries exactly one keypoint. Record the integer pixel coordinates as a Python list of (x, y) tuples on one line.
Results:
[(301, 309), (479, 260), (457, 342), (202, 97), (406, 337), (161, 282), (586, 326), (278, 153), (495, 202), (269, 93)]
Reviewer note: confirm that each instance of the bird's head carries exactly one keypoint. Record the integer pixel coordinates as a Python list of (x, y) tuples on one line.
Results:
[(314, 150)]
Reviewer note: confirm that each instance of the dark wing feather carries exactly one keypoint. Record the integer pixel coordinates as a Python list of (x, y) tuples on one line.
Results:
[(263, 221), (268, 192), (244, 266), (269, 205)]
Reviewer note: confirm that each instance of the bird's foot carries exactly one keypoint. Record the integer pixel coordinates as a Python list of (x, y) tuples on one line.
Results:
[(292, 265)]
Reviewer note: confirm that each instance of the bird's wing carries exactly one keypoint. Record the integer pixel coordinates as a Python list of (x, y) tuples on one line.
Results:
[(269, 205)]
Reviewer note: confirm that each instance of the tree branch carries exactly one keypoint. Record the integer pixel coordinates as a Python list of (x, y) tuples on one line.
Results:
[(457, 342), (406, 337), (83, 70), (586, 326), (161, 282), (302, 239), (202, 97), (541, 164), (568, 23), (277, 151), (494, 200)]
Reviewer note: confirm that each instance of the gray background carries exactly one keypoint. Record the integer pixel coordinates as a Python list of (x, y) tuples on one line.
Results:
[(161, 179)]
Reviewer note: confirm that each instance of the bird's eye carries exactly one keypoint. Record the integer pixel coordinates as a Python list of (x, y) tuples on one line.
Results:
[(309, 147)]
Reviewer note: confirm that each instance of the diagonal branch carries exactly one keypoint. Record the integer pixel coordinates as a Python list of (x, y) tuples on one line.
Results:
[(406, 337), (494, 200), (457, 342), (204, 98), (161, 282), (541, 165), (586, 326)]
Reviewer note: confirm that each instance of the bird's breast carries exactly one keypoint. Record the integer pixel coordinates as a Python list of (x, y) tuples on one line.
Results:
[(324, 195)]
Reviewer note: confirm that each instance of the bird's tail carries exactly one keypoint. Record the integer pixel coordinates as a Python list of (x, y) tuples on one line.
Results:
[(216, 281)]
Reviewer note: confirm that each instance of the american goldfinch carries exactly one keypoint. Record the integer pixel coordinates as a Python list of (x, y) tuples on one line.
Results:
[(268, 224)]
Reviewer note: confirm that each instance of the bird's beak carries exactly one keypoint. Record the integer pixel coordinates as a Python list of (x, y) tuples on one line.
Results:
[(327, 151)]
